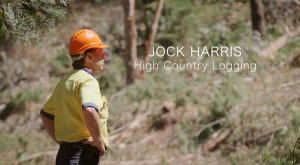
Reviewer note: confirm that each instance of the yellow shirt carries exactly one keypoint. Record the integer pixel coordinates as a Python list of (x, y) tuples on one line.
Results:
[(77, 90)]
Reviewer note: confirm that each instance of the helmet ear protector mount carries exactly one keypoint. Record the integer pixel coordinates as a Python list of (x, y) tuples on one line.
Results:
[(77, 58)]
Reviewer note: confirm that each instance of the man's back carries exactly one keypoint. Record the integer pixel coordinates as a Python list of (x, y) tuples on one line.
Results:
[(70, 94)]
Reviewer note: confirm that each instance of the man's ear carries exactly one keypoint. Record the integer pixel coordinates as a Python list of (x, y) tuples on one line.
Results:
[(89, 56)]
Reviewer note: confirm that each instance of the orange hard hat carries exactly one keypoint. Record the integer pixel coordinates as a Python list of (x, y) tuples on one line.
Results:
[(83, 40)]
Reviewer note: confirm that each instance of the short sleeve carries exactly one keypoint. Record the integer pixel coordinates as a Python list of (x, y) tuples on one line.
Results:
[(48, 109), (90, 95)]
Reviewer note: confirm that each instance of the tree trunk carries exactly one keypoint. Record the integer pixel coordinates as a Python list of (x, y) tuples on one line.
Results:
[(151, 35), (130, 56), (257, 16)]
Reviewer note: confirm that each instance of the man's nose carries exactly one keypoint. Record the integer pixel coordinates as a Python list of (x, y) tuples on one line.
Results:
[(106, 59)]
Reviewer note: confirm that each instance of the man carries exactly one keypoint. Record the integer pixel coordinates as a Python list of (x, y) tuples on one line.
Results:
[(75, 116)]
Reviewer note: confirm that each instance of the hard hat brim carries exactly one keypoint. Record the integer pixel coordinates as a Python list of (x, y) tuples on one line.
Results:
[(92, 45)]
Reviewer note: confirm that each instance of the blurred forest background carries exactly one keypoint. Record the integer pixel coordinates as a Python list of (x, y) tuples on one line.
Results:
[(185, 117)]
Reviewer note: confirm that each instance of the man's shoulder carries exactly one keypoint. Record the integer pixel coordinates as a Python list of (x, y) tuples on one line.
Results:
[(81, 76)]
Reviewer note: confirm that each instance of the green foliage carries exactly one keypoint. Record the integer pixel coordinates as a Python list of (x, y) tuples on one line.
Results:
[(221, 33), (200, 24), (26, 19), (62, 62), (5, 142), (227, 94), (290, 153), (3, 30), (112, 78), (282, 13), (284, 56), (270, 159), (26, 96), (175, 9), (171, 86), (18, 103), (21, 144), (184, 134)]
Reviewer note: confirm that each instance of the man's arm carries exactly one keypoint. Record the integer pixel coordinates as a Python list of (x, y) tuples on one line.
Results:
[(93, 123), (49, 125)]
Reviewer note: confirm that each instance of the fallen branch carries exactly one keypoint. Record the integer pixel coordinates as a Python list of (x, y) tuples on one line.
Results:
[(36, 155), (284, 85), (279, 43), (128, 126), (270, 141), (221, 120), (216, 139), (144, 140), (266, 134)]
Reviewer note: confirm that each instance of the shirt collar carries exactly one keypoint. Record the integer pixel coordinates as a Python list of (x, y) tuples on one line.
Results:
[(89, 71)]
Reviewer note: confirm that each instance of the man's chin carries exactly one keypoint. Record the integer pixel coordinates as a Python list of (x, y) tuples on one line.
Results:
[(99, 70)]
